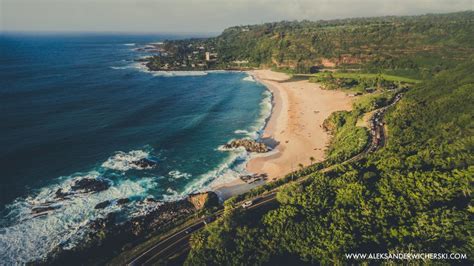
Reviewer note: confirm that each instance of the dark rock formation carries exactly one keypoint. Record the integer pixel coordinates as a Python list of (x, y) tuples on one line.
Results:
[(123, 201), (102, 205), (144, 163), (111, 233), (90, 185), (42, 209), (60, 194), (249, 179), (249, 145)]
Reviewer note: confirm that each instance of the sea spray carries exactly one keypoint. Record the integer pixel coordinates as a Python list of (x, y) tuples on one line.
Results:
[(65, 226)]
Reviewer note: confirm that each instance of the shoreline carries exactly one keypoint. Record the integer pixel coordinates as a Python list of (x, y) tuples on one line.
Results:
[(298, 111)]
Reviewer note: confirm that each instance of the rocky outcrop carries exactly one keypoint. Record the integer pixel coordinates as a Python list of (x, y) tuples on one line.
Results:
[(60, 194), (144, 163), (103, 204), (123, 201), (249, 145), (202, 200), (90, 185), (111, 233), (107, 203), (249, 179), (43, 209)]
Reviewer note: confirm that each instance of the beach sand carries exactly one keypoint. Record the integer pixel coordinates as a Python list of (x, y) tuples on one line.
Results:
[(300, 108), (295, 127)]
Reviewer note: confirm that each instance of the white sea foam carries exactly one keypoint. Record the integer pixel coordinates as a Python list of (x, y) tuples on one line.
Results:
[(232, 167), (143, 68), (241, 131), (266, 107), (249, 78), (123, 161), (30, 238), (178, 73), (178, 175), (129, 44), (256, 129), (120, 67), (173, 195)]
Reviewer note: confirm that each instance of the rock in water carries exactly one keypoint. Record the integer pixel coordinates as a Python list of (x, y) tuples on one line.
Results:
[(90, 184), (102, 205), (42, 209), (144, 163), (60, 194), (123, 201), (249, 145)]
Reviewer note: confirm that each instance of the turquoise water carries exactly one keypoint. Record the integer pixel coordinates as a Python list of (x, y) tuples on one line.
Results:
[(79, 106)]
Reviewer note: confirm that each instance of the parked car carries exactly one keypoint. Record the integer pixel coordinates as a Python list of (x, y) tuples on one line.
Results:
[(247, 204)]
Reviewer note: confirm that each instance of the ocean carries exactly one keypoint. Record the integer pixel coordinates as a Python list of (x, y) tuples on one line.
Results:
[(79, 106)]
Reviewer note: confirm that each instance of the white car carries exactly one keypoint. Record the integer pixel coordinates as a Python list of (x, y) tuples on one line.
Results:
[(247, 204)]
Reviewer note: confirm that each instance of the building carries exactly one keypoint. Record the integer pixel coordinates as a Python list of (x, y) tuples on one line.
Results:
[(208, 56)]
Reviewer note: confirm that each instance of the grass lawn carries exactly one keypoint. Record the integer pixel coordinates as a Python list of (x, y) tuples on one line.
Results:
[(365, 76)]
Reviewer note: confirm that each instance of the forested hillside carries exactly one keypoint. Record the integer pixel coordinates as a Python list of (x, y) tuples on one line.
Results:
[(412, 46), (416, 46), (411, 196)]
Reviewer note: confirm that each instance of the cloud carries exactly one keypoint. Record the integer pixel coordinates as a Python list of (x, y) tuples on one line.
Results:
[(196, 15)]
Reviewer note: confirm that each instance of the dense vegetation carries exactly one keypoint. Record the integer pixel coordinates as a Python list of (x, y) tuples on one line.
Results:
[(411, 196), (348, 139), (360, 82), (416, 46), (411, 46)]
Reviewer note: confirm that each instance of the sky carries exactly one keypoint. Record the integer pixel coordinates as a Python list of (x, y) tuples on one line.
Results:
[(196, 16)]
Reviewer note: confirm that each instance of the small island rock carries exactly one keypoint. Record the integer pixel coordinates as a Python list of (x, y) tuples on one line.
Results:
[(249, 145)]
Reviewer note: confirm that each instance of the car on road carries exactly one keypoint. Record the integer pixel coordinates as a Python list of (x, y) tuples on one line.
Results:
[(247, 204), (208, 219)]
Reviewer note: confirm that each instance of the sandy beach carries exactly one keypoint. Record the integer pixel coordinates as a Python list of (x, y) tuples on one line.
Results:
[(295, 126), (300, 108)]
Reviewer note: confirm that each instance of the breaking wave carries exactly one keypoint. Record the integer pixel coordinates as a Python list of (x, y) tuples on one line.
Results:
[(255, 131), (123, 161), (28, 238), (178, 175), (121, 67), (234, 166), (249, 78), (178, 73), (142, 67)]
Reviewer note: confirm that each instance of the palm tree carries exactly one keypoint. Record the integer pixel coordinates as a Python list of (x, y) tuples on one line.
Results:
[(301, 165), (311, 159)]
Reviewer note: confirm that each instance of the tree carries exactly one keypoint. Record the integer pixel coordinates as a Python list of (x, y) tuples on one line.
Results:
[(300, 165)]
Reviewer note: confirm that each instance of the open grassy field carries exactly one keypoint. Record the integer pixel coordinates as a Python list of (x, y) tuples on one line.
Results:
[(358, 76)]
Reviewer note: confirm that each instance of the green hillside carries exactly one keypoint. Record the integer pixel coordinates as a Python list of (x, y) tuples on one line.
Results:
[(411, 196), (414, 46)]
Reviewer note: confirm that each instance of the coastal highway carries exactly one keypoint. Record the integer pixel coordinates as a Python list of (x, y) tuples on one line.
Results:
[(179, 241)]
